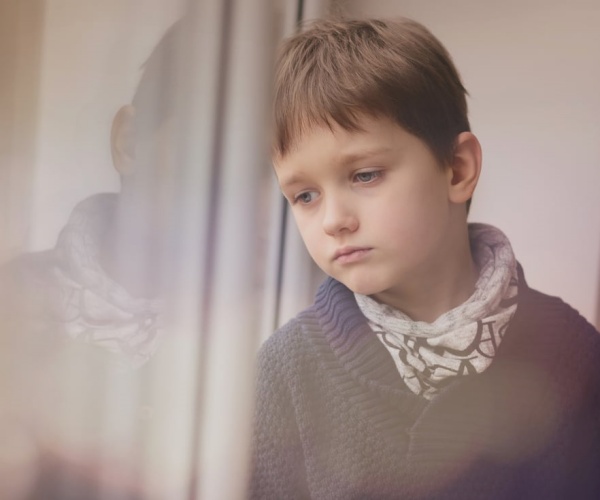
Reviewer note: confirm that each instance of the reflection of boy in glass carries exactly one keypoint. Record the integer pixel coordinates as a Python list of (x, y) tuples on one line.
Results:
[(90, 307), (101, 282)]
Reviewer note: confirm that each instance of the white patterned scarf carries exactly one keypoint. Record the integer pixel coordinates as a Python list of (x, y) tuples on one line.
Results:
[(92, 307), (463, 340)]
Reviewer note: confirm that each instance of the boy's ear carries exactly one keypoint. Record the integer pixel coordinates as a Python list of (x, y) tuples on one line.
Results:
[(122, 140), (464, 167)]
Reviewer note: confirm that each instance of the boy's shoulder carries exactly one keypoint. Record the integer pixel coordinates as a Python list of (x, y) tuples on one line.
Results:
[(334, 309), (552, 310), (288, 340), (548, 334)]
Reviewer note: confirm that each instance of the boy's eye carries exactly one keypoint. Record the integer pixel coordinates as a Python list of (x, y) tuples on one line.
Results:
[(305, 197), (366, 177)]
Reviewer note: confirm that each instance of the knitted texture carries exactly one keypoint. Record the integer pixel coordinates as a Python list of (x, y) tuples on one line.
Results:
[(334, 420)]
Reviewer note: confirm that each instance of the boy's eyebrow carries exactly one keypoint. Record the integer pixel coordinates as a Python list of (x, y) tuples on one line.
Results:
[(361, 155), (289, 181)]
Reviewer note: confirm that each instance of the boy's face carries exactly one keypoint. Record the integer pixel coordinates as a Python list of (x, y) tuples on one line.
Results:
[(372, 206)]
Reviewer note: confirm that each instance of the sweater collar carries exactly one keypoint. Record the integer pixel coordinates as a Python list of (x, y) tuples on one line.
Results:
[(352, 340), (484, 416)]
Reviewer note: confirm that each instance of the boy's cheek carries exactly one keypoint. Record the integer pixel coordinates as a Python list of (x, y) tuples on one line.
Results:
[(316, 249)]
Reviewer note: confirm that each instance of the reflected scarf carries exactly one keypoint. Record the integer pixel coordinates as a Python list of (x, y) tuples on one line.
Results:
[(91, 306), (463, 340)]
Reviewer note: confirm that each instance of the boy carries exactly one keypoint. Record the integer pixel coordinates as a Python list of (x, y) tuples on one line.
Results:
[(426, 367)]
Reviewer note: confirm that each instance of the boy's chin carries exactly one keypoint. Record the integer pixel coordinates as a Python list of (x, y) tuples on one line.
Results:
[(361, 287)]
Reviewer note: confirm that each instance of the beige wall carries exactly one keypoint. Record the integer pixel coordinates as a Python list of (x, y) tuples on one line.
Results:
[(532, 69), (20, 48)]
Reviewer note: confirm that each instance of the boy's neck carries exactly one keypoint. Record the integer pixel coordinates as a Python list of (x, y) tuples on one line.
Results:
[(440, 289)]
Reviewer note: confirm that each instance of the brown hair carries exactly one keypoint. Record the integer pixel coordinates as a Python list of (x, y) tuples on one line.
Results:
[(337, 70)]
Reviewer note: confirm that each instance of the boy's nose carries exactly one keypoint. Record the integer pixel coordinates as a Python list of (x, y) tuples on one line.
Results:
[(340, 216)]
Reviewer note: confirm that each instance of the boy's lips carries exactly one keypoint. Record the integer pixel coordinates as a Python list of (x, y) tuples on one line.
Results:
[(346, 255)]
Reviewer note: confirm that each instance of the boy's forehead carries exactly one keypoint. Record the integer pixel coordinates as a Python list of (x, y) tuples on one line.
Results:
[(372, 136)]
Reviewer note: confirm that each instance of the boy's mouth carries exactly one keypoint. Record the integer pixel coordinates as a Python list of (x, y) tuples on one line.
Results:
[(346, 255)]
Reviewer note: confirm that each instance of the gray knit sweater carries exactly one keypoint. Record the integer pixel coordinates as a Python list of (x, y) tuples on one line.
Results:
[(334, 420)]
